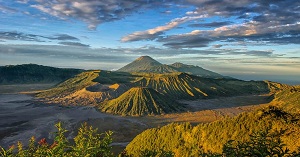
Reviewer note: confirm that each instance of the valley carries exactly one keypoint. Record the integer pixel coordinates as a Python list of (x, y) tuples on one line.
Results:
[(21, 118)]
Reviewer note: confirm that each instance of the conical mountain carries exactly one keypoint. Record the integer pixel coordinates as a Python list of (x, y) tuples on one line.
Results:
[(139, 101), (148, 65), (140, 64), (195, 70)]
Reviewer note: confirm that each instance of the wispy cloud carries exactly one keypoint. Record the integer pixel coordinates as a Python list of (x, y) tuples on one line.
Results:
[(217, 46), (79, 50), (23, 1), (62, 37), (211, 24), (6, 9), (14, 35), (151, 34), (77, 44), (19, 36)]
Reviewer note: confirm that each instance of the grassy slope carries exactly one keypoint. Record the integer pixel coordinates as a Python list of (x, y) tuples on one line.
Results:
[(287, 97), (185, 86), (85, 88), (161, 69), (186, 140), (140, 101), (72, 85)]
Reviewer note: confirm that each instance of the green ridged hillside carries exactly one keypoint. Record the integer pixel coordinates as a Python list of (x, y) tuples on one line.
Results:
[(287, 97), (187, 140), (139, 101), (71, 85), (185, 86), (280, 118), (94, 87)]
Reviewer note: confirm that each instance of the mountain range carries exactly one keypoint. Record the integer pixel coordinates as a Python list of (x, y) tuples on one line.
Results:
[(136, 89), (149, 65)]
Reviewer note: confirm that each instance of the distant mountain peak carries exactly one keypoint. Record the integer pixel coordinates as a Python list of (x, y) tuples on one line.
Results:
[(147, 60), (150, 65), (140, 64), (144, 58)]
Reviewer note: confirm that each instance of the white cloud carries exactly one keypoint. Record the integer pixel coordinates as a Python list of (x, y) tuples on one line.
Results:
[(155, 32)]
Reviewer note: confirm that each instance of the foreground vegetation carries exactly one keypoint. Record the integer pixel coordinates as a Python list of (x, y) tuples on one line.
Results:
[(187, 140), (269, 131), (89, 142)]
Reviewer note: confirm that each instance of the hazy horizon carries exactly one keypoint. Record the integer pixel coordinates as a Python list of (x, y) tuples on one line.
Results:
[(287, 79)]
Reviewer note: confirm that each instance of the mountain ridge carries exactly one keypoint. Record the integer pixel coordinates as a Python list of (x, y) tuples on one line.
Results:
[(195, 70), (34, 73), (111, 91), (148, 64)]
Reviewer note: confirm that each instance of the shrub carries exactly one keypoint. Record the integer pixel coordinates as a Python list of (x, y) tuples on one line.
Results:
[(88, 142)]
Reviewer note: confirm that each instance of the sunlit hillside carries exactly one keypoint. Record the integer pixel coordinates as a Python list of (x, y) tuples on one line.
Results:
[(187, 140), (95, 87), (141, 101)]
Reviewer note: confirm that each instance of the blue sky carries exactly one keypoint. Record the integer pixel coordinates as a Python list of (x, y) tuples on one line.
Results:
[(248, 39)]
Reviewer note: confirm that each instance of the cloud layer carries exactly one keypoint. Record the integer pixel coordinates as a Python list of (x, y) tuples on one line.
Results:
[(94, 12), (272, 22)]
